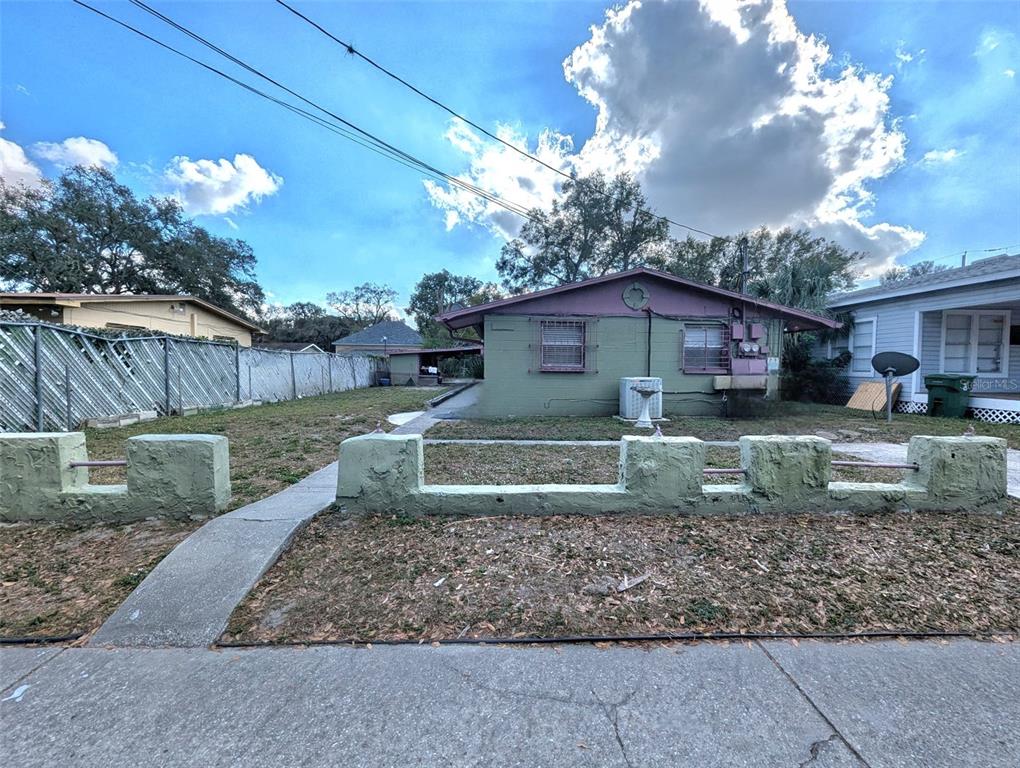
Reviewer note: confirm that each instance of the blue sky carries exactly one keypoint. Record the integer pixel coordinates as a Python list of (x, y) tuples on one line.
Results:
[(323, 214)]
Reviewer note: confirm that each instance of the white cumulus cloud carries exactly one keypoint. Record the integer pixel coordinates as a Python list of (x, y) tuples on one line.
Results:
[(219, 186), (730, 117), (15, 167), (76, 150), (940, 156)]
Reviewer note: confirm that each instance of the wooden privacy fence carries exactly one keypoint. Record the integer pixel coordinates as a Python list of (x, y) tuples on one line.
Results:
[(54, 378)]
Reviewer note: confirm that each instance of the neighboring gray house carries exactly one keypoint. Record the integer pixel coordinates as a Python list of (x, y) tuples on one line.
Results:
[(964, 320), (380, 338)]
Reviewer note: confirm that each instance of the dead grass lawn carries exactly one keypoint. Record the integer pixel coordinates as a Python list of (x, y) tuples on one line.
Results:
[(504, 464), (780, 419), (274, 445), (61, 580), (397, 579)]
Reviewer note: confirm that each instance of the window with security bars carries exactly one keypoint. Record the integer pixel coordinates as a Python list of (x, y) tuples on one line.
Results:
[(706, 348), (563, 345)]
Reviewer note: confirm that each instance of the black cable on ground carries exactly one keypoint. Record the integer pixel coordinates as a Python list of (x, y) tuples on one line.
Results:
[(638, 638), (42, 640)]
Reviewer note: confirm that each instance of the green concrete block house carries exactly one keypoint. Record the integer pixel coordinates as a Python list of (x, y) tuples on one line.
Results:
[(563, 351)]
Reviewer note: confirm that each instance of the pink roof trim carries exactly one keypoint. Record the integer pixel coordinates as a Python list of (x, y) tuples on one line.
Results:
[(483, 308)]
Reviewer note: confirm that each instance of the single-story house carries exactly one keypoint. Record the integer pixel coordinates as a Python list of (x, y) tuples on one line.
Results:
[(964, 320), (420, 367), (381, 338), (180, 315), (291, 346), (562, 351)]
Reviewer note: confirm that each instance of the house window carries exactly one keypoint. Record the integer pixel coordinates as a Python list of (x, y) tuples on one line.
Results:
[(975, 342), (706, 348), (862, 345), (123, 327), (563, 345)]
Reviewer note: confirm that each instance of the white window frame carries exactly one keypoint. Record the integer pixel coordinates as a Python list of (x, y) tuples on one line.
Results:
[(873, 319), (974, 322)]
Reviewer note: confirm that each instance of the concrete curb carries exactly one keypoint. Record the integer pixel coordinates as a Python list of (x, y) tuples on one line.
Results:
[(187, 599), (440, 399)]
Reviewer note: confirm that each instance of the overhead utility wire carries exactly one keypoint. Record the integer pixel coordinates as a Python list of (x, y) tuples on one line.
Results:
[(520, 209), (372, 143), (354, 52)]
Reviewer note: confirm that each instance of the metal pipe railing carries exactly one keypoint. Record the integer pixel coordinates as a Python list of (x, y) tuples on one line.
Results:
[(877, 464), (106, 463), (874, 464)]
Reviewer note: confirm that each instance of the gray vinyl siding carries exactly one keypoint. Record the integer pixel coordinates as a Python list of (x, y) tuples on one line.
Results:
[(896, 329)]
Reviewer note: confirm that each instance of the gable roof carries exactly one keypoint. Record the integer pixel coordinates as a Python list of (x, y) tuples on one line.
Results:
[(984, 271), (397, 333), (90, 298), (462, 318)]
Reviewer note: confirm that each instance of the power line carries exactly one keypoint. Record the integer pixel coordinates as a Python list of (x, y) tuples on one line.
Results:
[(520, 209), (354, 52), (356, 134), (965, 252)]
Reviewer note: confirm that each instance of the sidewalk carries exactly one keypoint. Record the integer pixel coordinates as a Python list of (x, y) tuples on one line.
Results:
[(188, 598), (825, 705)]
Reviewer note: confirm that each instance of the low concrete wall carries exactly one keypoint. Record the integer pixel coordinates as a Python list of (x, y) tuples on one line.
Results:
[(382, 473), (169, 476)]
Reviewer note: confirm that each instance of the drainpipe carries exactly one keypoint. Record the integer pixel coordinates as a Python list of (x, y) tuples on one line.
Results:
[(648, 361)]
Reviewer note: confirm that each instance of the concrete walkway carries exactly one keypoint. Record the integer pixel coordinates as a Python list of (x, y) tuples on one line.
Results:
[(825, 705), (189, 596), (447, 410)]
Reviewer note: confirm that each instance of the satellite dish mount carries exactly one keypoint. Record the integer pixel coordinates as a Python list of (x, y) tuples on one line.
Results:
[(891, 365)]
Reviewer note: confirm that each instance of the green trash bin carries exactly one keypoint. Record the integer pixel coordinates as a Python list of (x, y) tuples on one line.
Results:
[(948, 394)]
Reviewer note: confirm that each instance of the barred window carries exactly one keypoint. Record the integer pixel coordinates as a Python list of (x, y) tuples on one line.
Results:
[(563, 345), (706, 348)]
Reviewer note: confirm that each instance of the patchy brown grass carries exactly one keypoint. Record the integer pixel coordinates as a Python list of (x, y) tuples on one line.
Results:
[(780, 419), (61, 579), (398, 579), (274, 445), (504, 464)]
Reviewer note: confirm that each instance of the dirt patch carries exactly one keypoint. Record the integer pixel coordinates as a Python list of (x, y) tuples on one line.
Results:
[(843, 424), (61, 579), (403, 579), (271, 446)]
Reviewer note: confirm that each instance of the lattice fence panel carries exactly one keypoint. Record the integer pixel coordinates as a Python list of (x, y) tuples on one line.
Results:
[(996, 416), (85, 376)]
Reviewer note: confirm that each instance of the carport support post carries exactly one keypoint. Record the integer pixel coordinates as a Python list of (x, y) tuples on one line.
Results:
[(38, 379), (166, 375), (293, 379)]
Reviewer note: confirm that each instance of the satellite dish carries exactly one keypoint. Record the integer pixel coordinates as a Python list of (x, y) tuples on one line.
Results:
[(891, 365), (896, 363)]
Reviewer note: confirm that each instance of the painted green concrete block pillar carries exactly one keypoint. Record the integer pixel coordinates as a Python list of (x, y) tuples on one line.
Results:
[(380, 471), (178, 476), (662, 472), (791, 472), (35, 471), (959, 472)]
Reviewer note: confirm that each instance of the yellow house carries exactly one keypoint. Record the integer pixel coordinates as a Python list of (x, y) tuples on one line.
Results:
[(180, 315)]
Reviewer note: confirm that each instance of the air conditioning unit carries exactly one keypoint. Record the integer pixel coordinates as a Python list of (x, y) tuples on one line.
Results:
[(630, 401)]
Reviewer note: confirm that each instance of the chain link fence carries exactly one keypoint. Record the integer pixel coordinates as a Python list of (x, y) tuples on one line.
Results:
[(54, 378)]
